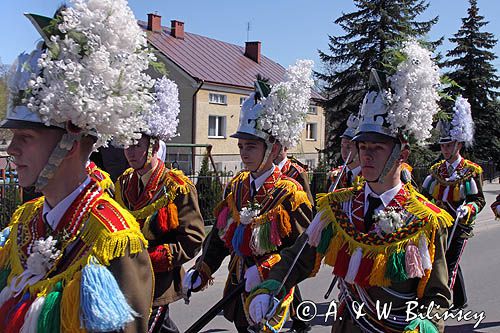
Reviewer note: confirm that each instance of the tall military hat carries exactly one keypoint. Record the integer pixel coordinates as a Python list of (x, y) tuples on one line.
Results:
[(352, 126), (461, 127)]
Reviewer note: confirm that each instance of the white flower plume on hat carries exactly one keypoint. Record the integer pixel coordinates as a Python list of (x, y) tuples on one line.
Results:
[(94, 76), (413, 101), (285, 109), (162, 119), (462, 124)]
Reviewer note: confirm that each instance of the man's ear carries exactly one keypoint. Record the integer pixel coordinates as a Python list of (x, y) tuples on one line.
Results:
[(156, 146), (75, 149)]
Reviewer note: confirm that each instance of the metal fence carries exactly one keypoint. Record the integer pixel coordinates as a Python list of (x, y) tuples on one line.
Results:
[(10, 191)]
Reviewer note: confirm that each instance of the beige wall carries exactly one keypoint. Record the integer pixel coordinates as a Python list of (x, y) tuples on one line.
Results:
[(225, 150)]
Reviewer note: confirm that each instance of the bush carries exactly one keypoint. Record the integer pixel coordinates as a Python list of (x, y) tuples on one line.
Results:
[(209, 191)]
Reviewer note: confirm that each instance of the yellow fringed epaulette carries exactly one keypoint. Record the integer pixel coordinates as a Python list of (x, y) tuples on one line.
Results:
[(473, 166), (340, 195), (112, 231), (297, 195), (423, 209), (175, 180), (436, 166)]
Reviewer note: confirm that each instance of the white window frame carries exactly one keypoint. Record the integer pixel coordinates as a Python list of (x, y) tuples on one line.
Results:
[(220, 127), (216, 98), (242, 99), (311, 163), (313, 109), (311, 135)]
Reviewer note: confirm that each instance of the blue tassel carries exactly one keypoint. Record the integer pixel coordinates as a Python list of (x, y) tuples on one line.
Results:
[(103, 305), (238, 238), (4, 235)]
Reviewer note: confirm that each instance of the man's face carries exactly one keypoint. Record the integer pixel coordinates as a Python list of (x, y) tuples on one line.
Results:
[(31, 149), (251, 153), (346, 146), (137, 154), (448, 149), (373, 156)]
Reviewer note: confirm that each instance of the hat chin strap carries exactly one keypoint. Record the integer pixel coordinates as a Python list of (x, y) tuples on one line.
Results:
[(455, 148), (395, 153), (269, 148), (55, 159)]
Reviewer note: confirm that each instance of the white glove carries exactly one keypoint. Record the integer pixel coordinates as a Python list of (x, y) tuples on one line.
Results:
[(258, 307), (252, 278), (498, 209), (462, 211), (187, 283)]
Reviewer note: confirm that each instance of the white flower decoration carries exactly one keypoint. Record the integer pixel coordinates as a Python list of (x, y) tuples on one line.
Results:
[(247, 214), (388, 221), (42, 257)]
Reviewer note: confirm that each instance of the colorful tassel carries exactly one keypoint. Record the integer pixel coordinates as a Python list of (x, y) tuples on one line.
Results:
[(396, 267), (332, 252), (275, 235), (31, 319), (456, 193), (365, 268), (161, 221), (49, 319), (222, 218), (342, 262), (424, 253), (413, 262), (326, 237), (354, 263), (5, 310), (435, 190), (103, 305), (462, 191), (4, 235), (377, 276), (427, 181), (16, 317), (284, 226), (315, 228), (421, 326), (467, 187), (4, 275), (5, 295), (70, 319), (445, 193), (473, 187), (228, 235), (161, 257)]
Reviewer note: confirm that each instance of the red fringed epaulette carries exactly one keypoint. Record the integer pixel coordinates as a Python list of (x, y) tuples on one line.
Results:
[(111, 216)]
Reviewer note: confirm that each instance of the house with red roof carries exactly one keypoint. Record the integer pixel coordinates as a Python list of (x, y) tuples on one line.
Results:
[(214, 78)]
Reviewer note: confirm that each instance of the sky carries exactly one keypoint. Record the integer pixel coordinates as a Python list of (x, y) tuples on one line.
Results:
[(288, 29)]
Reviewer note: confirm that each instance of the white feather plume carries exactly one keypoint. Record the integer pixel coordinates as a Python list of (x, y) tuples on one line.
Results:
[(462, 125)]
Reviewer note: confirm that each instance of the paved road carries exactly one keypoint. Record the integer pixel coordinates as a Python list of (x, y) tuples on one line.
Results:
[(480, 263)]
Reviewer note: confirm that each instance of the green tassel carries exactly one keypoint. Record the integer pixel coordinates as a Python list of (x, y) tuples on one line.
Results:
[(424, 326), (396, 267), (4, 275), (326, 237), (270, 286), (467, 187), (49, 320), (265, 237)]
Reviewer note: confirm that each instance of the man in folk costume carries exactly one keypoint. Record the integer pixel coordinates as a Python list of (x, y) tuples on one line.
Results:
[(455, 184), (385, 241), (495, 207), (164, 202), (73, 260), (293, 168), (349, 154), (101, 177), (263, 210)]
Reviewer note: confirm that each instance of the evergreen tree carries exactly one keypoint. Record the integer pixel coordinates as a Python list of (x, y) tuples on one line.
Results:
[(376, 27), (471, 68)]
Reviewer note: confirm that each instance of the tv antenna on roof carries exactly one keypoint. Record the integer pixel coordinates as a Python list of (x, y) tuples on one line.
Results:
[(248, 31)]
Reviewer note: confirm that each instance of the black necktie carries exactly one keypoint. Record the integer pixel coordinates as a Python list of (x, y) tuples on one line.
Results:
[(253, 189), (373, 203), (349, 178)]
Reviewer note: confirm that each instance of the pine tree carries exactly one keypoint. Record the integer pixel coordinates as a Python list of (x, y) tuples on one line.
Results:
[(376, 27), (473, 71)]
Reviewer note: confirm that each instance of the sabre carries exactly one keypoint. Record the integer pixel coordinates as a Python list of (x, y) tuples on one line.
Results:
[(337, 180), (455, 223)]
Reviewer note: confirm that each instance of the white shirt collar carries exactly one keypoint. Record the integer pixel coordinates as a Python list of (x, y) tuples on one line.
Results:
[(54, 215), (386, 197), (259, 181), (354, 171), (282, 163), (454, 164)]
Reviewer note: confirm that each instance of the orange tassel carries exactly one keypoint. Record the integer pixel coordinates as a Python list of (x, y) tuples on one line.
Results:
[(173, 216), (284, 226)]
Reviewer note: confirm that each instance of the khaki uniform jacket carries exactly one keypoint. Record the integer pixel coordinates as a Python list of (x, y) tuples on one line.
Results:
[(217, 248), (183, 241)]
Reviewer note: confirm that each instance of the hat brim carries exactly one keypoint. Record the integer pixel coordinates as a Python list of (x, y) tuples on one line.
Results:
[(246, 136), (442, 141), (12, 124), (373, 137)]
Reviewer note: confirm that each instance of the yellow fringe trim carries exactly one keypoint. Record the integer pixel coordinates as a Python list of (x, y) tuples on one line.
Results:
[(70, 319), (297, 197), (317, 264), (4, 253)]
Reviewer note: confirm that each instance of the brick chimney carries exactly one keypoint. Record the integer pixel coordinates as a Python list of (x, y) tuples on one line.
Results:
[(177, 29), (154, 22), (252, 51)]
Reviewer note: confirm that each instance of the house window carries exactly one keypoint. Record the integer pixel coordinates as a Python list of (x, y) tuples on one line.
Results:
[(242, 100), (216, 126), (313, 110), (217, 98), (311, 164), (311, 131)]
